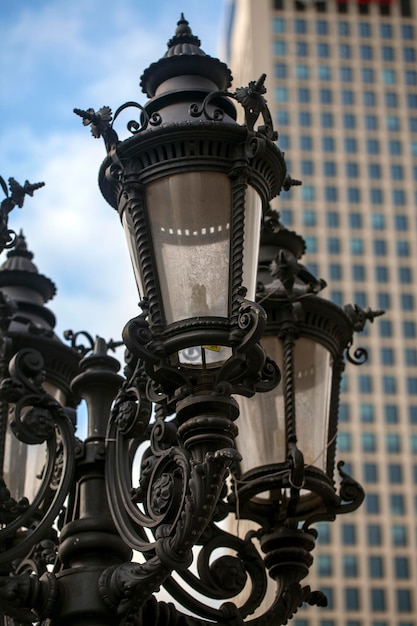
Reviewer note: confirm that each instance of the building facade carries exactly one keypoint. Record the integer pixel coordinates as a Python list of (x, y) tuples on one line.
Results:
[(342, 86)]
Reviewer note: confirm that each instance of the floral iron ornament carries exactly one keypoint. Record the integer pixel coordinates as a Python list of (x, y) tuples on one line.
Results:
[(14, 197)]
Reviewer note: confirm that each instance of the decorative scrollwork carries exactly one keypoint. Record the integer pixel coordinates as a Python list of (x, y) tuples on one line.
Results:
[(36, 417), (359, 357)]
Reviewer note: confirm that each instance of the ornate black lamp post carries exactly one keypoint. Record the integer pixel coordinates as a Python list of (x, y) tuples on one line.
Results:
[(192, 187)]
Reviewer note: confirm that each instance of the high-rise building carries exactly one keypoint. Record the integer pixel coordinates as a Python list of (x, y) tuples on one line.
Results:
[(342, 86)]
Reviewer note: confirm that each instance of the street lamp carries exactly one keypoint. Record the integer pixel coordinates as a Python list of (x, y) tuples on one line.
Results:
[(192, 188)]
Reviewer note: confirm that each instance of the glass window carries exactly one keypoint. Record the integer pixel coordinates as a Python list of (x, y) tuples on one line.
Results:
[(412, 385), (302, 71), (332, 219), (326, 119), (323, 529), (368, 75), (372, 504), (401, 567), (376, 196), (344, 28), (351, 144), (409, 55), (364, 29), (395, 473), (352, 601), (350, 565), (385, 328), (392, 442), (407, 31), (381, 274), (284, 141), (353, 195), (323, 49), (355, 220), (412, 414), (389, 384), (371, 122), (329, 168), (397, 171), (410, 77), (306, 143), (331, 194), (309, 217), (283, 117), (370, 472), (349, 120), (396, 503), (387, 356), (280, 48), (333, 245), (307, 167), (374, 170), (335, 271), (347, 97), (303, 94), (369, 98), (304, 118), (403, 248), (399, 535), (324, 72), (391, 99), (374, 536), (281, 94), (328, 144), (384, 300), (389, 76), (404, 603), (376, 567), (410, 357), (395, 147), (348, 534), (368, 442), (280, 70), (301, 48), (377, 599), (345, 51), (278, 24), (409, 329), (322, 27), (358, 272), (378, 221), (372, 146), (324, 565), (344, 412), (407, 301), (391, 413), (352, 170), (308, 192), (380, 247), (356, 245), (393, 123), (344, 442), (385, 30), (311, 243), (366, 52), (346, 74), (387, 53), (412, 100), (326, 96), (300, 26), (365, 383)]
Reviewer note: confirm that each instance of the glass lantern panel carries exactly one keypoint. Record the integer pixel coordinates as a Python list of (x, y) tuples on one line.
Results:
[(189, 217), (22, 467), (262, 434), (253, 215)]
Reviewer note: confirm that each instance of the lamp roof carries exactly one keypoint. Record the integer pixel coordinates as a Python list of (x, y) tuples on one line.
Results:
[(185, 57)]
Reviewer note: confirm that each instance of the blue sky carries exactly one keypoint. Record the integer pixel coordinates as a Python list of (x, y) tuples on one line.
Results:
[(54, 56)]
